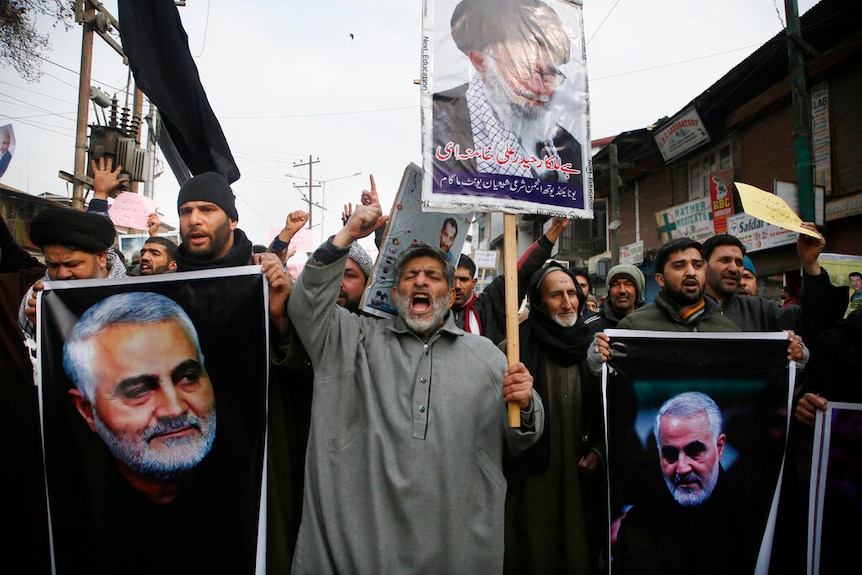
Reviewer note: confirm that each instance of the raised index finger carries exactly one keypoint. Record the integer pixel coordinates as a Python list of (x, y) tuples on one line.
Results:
[(372, 195)]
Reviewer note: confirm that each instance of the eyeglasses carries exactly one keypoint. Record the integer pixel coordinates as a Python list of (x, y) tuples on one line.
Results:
[(526, 71)]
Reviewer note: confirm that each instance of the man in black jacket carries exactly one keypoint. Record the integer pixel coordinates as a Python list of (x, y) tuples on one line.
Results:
[(821, 303)]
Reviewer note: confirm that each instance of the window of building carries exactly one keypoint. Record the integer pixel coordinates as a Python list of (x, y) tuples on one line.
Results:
[(700, 167)]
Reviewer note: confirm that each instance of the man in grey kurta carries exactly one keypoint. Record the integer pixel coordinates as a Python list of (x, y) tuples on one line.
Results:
[(409, 423)]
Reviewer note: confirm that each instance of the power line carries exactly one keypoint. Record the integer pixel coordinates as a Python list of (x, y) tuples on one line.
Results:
[(206, 29), (23, 104), (602, 23), (318, 115), (36, 125), (671, 64), (44, 95)]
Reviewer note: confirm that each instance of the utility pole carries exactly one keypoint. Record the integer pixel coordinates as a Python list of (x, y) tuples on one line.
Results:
[(94, 19), (310, 184), (614, 221), (801, 103), (85, 15), (614, 206), (153, 132)]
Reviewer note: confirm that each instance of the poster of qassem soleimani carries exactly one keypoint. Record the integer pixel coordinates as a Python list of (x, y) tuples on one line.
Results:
[(153, 403), (696, 432)]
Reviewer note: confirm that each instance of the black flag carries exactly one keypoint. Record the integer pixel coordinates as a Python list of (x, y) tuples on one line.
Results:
[(158, 50)]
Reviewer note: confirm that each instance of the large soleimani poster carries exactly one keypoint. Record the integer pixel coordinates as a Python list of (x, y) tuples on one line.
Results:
[(505, 107), (696, 429), (153, 403)]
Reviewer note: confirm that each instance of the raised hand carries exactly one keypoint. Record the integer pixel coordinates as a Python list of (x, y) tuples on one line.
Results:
[(105, 180)]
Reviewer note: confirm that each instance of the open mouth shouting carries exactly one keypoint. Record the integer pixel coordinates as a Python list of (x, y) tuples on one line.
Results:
[(421, 303)]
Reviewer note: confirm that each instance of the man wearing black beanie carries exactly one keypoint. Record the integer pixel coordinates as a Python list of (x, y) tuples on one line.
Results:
[(208, 225)]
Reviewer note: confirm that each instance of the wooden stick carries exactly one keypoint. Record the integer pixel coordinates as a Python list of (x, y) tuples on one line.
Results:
[(510, 269)]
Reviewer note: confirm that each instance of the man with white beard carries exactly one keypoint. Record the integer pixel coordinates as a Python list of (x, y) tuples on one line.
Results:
[(139, 383), (690, 442), (555, 519), (409, 425), (679, 527), (500, 122)]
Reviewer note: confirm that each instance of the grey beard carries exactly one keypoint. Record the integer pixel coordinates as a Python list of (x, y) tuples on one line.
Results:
[(134, 450), (529, 122), (422, 327)]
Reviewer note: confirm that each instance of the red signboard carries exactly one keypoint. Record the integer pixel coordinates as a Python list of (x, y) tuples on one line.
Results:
[(721, 198)]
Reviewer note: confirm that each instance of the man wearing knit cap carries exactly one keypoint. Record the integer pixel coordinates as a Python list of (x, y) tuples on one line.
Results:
[(76, 245), (356, 273), (680, 305), (208, 225), (747, 279), (625, 294), (516, 49)]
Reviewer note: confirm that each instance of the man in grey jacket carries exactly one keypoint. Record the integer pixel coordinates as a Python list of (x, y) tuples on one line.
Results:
[(409, 423), (821, 303)]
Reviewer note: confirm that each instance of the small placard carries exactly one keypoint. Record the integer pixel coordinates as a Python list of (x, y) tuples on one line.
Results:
[(485, 259), (131, 210)]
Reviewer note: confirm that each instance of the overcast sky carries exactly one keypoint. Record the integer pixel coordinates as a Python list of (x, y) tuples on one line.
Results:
[(287, 81)]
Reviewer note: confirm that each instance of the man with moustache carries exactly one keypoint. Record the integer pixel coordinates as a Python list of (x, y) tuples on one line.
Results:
[(747, 279), (141, 385), (821, 303), (76, 245), (409, 422), (681, 526), (555, 521), (208, 225), (516, 48), (448, 233), (626, 285), (157, 256), (680, 304)]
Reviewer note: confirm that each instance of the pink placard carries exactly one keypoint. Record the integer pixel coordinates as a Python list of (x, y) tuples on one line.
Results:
[(303, 241), (131, 210)]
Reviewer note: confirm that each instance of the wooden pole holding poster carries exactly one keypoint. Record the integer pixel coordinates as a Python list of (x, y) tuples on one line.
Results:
[(510, 269)]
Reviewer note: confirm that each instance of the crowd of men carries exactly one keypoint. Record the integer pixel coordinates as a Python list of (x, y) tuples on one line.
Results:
[(389, 446), (389, 439)]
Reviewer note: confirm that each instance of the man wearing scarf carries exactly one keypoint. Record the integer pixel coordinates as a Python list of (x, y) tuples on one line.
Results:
[(680, 305), (208, 226), (554, 513), (485, 313)]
